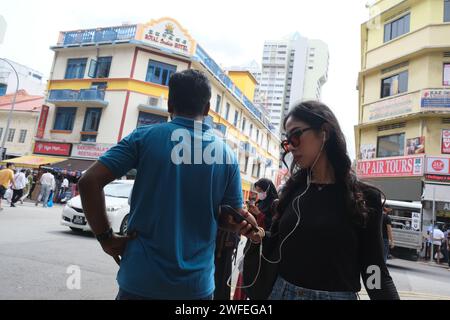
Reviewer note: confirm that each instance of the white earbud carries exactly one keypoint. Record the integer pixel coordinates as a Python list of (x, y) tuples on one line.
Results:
[(324, 136)]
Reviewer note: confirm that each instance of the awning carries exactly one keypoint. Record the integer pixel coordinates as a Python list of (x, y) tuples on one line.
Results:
[(438, 192), (402, 189), (32, 161), (70, 167)]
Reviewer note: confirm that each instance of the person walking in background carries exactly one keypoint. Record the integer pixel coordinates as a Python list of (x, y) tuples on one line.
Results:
[(6, 178), (47, 182), (27, 189), (263, 208), (388, 238), (20, 182)]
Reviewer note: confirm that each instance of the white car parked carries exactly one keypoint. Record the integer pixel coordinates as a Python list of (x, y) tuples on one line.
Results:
[(117, 194)]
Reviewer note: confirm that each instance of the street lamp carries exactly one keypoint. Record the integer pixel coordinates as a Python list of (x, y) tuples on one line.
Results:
[(2, 148)]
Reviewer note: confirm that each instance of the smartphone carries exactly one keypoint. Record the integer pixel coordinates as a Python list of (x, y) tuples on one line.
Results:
[(238, 218)]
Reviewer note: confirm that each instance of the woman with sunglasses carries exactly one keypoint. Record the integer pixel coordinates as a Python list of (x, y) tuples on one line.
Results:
[(324, 204)]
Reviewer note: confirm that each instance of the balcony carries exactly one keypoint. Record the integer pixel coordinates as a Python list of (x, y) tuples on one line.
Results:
[(101, 35), (81, 98), (429, 38)]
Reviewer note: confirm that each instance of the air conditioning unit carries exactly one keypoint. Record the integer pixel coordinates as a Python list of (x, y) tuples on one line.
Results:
[(153, 102)]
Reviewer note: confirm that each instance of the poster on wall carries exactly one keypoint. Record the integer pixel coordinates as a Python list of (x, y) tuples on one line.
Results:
[(368, 151), (415, 146), (445, 143)]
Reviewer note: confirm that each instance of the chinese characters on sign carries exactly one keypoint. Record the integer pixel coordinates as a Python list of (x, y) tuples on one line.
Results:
[(168, 34)]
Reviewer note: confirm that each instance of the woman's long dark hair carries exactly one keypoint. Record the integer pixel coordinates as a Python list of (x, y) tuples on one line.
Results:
[(318, 116)]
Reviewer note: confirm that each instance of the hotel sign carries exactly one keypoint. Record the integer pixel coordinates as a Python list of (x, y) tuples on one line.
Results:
[(168, 33)]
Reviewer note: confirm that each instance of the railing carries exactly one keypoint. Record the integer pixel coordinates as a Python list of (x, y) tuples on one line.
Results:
[(217, 71), (99, 35), (74, 95)]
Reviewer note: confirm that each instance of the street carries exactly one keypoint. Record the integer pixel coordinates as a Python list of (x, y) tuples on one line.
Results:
[(36, 253)]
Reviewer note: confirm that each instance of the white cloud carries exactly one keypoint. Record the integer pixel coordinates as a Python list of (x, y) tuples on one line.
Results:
[(232, 32)]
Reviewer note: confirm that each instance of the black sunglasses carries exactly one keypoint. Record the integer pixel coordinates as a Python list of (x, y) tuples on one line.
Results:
[(293, 138)]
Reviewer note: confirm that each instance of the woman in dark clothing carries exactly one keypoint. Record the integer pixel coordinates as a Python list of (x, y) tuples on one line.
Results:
[(262, 210), (323, 203)]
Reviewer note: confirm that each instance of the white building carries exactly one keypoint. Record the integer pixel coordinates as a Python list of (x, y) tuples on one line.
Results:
[(293, 69), (29, 80)]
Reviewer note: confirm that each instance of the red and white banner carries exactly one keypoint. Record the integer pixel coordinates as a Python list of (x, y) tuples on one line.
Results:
[(438, 165), (391, 167), (445, 143), (42, 122), (53, 149)]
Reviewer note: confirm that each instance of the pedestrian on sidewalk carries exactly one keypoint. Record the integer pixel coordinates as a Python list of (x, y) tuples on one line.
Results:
[(47, 182), (438, 237), (263, 208), (322, 204), (20, 182), (32, 179), (6, 179), (27, 189), (169, 250), (388, 237)]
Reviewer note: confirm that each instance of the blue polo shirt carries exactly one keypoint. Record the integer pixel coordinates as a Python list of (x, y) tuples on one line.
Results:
[(174, 206)]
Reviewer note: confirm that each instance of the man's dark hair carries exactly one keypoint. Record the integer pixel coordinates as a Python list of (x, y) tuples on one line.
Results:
[(189, 92), (9, 164)]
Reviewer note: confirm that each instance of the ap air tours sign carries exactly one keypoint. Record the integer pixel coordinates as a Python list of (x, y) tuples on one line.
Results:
[(167, 33)]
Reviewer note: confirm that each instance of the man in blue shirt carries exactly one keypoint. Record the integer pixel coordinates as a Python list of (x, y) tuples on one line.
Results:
[(184, 174)]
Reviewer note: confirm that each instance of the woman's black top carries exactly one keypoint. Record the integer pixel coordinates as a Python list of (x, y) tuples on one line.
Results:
[(328, 252)]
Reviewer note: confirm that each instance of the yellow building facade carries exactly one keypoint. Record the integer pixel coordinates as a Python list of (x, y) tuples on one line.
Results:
[(403, 131)]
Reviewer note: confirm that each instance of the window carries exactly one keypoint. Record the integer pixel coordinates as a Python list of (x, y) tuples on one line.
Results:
[(88, 138), (3, 88), (446, 81), (158, 72), (257, 135), (146, 119), (65, 117), (243, 124), (246, 164), (227, 111), (391, 146), (23, 135), (446, 10), (396, 28), (1, 132), (92, 119), (11, 135), (256, 170), (236, 118), (394, 85), (100, 68), (218, 102), (75, 68), (251, 130)]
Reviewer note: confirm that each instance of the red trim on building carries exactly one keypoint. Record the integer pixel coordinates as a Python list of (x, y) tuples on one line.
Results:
[(124, 114), (133, 65)]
